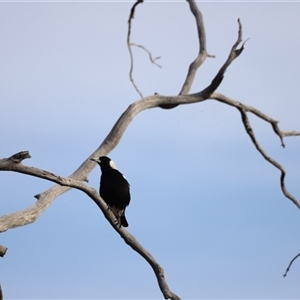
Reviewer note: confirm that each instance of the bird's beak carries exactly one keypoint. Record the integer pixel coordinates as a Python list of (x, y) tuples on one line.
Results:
[(95, 159)]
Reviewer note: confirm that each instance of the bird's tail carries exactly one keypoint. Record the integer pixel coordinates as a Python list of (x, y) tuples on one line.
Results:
[(120, 215), (124, 221)]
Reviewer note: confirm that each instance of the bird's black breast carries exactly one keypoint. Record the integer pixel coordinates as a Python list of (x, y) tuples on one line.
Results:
[(114, 189)]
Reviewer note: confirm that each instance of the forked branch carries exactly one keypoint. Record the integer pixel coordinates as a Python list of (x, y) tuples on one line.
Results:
[(243, 110), (202, 54), (234, 53), (151, 58)]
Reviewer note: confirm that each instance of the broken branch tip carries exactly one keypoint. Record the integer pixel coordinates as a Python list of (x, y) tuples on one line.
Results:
[(18, 157)]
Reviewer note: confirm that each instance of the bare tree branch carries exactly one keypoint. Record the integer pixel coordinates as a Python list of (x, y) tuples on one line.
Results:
[(289, 133), (153, 60), (243, 109), (18, 157), (1, 294), (131, 16), (234, 53), (267, 157), (290, 264), (195, 65), (132, 11), (9, 164), (258, 113)]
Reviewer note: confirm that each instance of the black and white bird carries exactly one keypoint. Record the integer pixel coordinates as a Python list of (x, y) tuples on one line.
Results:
[(114, 188)]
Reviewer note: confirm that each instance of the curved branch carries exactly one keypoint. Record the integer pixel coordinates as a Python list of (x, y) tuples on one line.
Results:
[(153, 60), (266, 157), (195, 65), (290, 264), (243, 109), (202, 54), (234, 53), (10, 165), (131, 16), (274, 123)]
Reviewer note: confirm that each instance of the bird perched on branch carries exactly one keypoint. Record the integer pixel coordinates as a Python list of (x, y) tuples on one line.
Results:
[(114, 188)]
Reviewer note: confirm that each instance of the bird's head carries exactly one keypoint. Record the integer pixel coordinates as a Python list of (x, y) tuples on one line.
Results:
[(104, 162)]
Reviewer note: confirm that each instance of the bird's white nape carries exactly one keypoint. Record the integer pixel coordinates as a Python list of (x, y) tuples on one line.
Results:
[(113, 165)]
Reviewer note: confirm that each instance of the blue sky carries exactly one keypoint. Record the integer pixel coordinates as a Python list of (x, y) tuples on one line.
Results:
[(204, 202)]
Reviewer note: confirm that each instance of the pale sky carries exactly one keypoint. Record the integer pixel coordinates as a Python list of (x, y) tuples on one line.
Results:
[(204, 202)]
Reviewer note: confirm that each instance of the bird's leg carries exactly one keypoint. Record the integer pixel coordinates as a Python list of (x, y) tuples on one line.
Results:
[(117, 221)]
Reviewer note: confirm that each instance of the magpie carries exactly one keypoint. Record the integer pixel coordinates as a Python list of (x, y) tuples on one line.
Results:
[(114, 188)]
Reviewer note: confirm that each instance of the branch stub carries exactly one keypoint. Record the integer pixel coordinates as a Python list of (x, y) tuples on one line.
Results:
[(19, 157)]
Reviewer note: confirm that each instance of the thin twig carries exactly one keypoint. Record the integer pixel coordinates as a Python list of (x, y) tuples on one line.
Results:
[(274, 123), (131, 16), (290, 264), (153, 60), (289, 133)]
